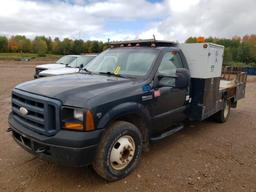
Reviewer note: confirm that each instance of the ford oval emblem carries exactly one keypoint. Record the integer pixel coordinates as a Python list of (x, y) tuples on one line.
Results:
[(23, 111)]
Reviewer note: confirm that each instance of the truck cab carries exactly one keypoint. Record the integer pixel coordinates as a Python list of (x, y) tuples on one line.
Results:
[(134, 93)]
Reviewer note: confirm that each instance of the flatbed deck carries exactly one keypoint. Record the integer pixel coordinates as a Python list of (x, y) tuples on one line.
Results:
[(226, 84), (233, 83)]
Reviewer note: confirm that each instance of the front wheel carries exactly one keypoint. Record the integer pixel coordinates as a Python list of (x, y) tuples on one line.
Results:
[(119, 151), (223, 115)]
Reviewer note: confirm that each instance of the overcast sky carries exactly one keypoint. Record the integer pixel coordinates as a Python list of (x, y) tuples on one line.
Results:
[(174, 20)]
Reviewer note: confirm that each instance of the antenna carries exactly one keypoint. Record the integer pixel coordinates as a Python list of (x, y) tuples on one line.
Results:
[(154, 37), (108, 43)]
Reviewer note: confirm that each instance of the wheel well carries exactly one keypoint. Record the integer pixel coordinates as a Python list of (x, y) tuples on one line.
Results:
[(138, 122)]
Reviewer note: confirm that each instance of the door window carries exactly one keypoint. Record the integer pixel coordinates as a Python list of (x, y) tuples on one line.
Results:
[(170, 62)]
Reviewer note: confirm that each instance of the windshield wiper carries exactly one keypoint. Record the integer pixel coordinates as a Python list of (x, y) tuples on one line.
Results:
[(86, 70), (111, 74)]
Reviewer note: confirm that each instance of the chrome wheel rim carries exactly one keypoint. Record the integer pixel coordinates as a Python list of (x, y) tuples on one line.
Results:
[(122, 152)]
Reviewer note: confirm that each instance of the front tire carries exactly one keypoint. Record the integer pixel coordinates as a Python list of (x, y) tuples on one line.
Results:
[(119, 151), (223, 115)]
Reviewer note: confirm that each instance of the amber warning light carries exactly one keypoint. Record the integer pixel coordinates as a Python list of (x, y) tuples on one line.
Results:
[(200, 40)]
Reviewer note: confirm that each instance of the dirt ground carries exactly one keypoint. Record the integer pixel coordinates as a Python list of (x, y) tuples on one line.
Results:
[(205, 156)]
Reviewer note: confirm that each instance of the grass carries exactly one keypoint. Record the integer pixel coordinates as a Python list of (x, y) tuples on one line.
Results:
[(16, 56)]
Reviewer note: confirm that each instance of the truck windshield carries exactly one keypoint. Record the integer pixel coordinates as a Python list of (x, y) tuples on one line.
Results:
[(124, 61), (81, 60), (66, 59)]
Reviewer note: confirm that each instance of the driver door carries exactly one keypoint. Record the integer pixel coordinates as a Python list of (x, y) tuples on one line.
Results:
[(169, 105)]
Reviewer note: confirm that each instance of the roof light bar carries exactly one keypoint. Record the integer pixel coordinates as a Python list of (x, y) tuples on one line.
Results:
[(142, 43)]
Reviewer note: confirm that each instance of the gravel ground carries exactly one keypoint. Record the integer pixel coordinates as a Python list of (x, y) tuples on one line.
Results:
[(205, 156)]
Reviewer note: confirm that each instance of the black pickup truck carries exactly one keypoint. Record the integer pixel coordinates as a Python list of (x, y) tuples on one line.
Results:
[(131, 94)]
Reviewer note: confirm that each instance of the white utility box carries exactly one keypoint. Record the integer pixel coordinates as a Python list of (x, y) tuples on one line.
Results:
[(204, 59)]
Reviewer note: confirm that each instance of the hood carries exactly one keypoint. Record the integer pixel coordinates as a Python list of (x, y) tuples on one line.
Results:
[(77, 89), (59, 71), (50, 66)]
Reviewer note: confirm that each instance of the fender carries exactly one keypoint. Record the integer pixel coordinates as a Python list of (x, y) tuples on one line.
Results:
[(122, 110)]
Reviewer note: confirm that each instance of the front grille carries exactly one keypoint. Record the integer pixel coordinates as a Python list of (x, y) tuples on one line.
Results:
[(43, 113)]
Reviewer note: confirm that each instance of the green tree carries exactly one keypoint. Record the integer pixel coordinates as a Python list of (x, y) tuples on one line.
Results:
[(26, 45), (191, 40), (228, 57), (105, 46), (244, 53), (3, 44), (40, 47), (86, 46), (101, 46), (49, 44), (56, 46), (23, 44), (78, 47), (94, 47), (66, 46), (12, 44), (209, 39)]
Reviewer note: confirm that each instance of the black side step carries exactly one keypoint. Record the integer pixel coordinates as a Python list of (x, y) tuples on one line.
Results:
[(167, 133)]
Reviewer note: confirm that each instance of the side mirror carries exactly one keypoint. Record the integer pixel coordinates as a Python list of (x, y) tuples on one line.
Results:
[(166, 81), (81, 66), (183, 78), (180, 80)]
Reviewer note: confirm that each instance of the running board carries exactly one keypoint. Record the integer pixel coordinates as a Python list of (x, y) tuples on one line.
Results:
[(167, 133)]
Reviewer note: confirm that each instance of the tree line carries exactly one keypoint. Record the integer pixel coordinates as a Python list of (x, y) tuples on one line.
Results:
[(46, 45), (239, 51)]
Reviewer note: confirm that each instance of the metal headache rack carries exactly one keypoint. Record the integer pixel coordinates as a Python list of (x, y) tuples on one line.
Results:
[(142, 43)]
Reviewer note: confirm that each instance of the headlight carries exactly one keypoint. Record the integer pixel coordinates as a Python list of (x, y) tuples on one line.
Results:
[(79, 114), (77, 119)]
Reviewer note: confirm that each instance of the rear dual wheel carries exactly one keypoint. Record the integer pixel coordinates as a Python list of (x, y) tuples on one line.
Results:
[(119, 151), (223, 115)]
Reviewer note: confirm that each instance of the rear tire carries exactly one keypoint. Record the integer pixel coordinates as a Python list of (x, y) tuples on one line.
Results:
[(223, 115), (119, 151)]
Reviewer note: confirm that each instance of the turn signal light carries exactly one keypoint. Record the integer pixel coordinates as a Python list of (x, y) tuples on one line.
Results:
[(74, 126), (89, 122)]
